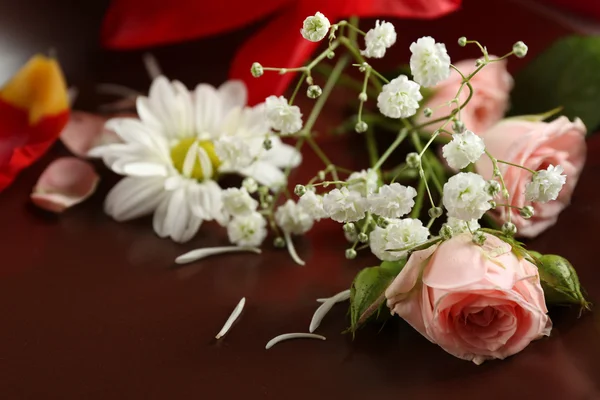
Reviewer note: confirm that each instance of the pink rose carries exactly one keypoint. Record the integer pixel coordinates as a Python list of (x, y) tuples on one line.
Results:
[(534, 145), (491, 87), (476, 302)]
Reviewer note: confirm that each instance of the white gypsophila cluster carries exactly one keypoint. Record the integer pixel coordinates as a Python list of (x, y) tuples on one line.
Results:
[(392, 201), (312, 203), (546, 184), (399, 98), (465, 196), (238, 202), (378, 39), (315, 28), (429, 62), (343, 205), (247, 230), (234, 152), (364, 182), (398, 234), (293, 218), (283, 117), (464, 148), (460, 226)]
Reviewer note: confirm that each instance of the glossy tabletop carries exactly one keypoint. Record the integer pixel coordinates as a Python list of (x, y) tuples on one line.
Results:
[(95, 309)]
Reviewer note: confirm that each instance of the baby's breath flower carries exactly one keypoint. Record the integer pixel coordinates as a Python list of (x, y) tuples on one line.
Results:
[(527, 212), (460, 226), (284, 118), (293, 219), (465, 148), (520, 49), (256, 70), (458, 126), (429, 63), (237, 202), (361, 127), (413, 160), (493, 187), (465, 197), (546, 184), (315, 27), (509, 229), (392, 201), (378, 39), (247, 230), (314, 91), (250, 185), (479, 238), (343, 205), (313, 204), (399, 98), (233, 152), (399, 234), (364, 182)]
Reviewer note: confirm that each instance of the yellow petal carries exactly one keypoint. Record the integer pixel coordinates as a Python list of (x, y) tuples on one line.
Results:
[(38, 87)]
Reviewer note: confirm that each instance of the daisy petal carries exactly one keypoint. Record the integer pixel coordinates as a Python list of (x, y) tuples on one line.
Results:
[(65, 182), (143, 169), (199, 254), (234, 315), (134, 197), (325, 307), (288, 336), (233, 95), (265, 174), (208, 108)]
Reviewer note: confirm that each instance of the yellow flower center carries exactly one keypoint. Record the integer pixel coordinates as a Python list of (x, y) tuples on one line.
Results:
[(181, 149)]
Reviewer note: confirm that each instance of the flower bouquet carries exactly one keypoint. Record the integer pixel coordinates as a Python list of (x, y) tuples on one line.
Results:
[(441, 206)]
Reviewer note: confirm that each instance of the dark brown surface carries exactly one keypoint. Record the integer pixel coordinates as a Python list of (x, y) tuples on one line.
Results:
[(92, 309)]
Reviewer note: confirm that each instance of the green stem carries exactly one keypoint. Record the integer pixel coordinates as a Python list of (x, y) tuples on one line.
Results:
[(298, 85), (401, 136), (372, 148), (516, 165), (416, 211)]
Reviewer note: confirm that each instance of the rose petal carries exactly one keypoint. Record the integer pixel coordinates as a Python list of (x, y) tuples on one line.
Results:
[(66, 182), (85, 131)]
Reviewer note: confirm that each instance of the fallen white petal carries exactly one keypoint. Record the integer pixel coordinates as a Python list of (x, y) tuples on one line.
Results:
[(292, 249), (234, 315), (199, 254), (288, 336), (152, 66), (325, 307), (343, 296)]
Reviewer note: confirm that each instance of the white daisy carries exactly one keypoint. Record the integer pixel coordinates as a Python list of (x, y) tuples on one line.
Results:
[(170, 160)]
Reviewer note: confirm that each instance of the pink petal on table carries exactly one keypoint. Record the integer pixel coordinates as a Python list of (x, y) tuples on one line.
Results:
[(64, 183), (85, 131)]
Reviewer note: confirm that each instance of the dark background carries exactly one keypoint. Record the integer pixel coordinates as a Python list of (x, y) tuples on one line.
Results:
[(94, 309)]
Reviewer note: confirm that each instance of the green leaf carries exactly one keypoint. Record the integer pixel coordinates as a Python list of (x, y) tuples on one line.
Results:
[(560, 281), (564, 75), (367, 294)]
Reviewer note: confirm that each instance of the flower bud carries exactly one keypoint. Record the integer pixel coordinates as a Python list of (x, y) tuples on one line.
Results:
[(427, 112), (527, 212), (413, 160), (309, 80), (520, 49), (383, 223), (263, 190), (330, 54), (505, 193), (446, 232), (350, 254), (363, 67), (361, 127), (479, 238), (363, 238), (250, 185), (362, 97), (493, 204), (479, 62), (559, 281), (299, 190), (493, 187), (314, 91), (462, 41), (321, 175), (349, 228), (458, 126), (269, 198), (256, 70), (435, 212), (509, 229), (267, 144), (279, 242)]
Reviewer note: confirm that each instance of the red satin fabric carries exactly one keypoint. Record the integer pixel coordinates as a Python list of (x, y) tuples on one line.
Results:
[(20, 143), (136, 23)]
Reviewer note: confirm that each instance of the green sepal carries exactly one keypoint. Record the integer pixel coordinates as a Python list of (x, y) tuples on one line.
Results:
[(367, 294), (560, 282)]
